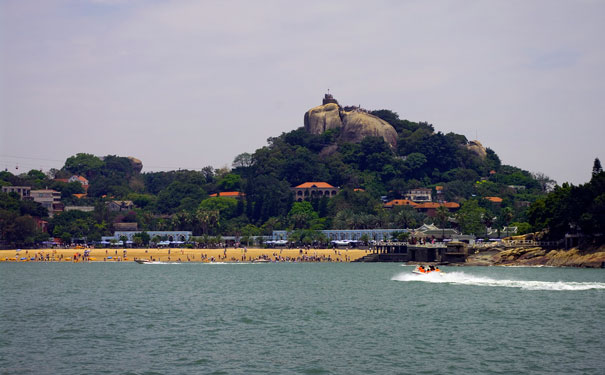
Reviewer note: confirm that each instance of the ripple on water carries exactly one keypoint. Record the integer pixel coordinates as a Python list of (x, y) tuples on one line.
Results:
[(299, 318)]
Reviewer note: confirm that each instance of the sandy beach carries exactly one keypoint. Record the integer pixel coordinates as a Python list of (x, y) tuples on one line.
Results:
[(181, 255)]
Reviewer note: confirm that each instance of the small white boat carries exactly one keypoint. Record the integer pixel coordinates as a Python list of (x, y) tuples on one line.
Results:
[(261, 261)]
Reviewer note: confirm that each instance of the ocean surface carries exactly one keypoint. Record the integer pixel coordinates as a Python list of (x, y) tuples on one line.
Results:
[(126, 318)]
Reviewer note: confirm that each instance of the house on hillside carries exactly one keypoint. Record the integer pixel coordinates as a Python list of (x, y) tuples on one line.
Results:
[(495, 200), (23, 191), (310, 190), (81, 179), (430, 208), (420, 195), (229, 194), (49, 199), (400, 202), (118, 206)]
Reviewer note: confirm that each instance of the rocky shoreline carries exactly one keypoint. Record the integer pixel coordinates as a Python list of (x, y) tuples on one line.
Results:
[(538, 256)]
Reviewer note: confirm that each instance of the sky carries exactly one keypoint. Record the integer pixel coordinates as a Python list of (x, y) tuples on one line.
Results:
[(187, 84)]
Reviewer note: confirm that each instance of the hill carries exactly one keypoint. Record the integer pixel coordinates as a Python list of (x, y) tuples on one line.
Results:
[(369, 157)]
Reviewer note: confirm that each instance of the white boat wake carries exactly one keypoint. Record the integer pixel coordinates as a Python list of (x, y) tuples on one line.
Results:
[(460, 278)]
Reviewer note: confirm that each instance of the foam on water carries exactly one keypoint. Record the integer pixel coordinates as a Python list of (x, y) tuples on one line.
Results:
[(461, 278)]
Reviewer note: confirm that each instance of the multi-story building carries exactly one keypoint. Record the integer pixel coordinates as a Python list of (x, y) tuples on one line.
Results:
[(49, 199), (23, 191), (420, 195), (310, 190)]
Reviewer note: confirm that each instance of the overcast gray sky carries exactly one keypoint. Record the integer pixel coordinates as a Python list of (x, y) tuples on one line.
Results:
[(186, 84)]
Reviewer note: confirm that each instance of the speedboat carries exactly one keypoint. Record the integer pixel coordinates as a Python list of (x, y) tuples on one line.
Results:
[(261, 260), (420, 270), (142, 261)]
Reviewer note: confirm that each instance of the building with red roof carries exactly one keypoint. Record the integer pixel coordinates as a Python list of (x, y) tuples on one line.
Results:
[(230, 194), (430, 208), (309, 190), (400, 202)]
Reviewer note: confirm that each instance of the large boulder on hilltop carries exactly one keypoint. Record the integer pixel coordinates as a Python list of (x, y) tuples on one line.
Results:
[(322, 118), (477, 148), (136, 164), (358, 125)]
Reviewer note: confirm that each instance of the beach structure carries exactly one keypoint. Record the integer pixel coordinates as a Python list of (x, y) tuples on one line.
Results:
[(451, 252), (348, 234), (171, 236), (125, 226)]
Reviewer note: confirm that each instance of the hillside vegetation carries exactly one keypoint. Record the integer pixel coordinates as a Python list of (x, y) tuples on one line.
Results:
[(368, 173)]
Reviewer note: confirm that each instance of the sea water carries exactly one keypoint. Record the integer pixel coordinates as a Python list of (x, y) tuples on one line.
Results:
[(294, 318)]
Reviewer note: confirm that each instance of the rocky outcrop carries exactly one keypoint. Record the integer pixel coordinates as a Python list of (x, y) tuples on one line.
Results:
[(356, 124), (477, 148), (322, 118), (136, 164), (538, 256)]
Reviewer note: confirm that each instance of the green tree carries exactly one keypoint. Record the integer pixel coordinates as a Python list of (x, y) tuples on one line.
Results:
[(171, 198), (226, 206), (230, 182), (208, 219), (469, 217), (302, 215), (596, 167), (83, 164), (442, 216)]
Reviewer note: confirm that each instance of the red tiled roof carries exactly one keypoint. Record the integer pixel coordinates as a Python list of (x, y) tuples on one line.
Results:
[(307, 185), (228, 194), (401, 202), (494, 199), (358, 189), (61, 180), (428, 205), (451, 205), (79, 195)]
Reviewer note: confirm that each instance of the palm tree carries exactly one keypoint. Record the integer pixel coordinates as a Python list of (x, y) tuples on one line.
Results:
[(488, 221), (207, 219), (442, 216)]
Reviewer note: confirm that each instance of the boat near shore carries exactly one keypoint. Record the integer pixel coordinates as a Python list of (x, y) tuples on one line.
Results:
[(142, 261), (421, 270)]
